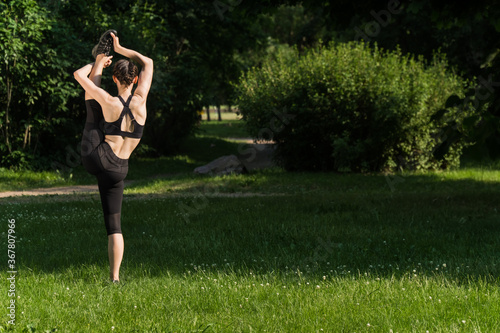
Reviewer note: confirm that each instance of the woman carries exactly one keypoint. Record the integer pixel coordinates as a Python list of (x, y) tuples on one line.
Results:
[(112, 131)]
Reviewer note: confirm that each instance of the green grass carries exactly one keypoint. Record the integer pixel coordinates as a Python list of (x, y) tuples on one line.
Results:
[(229, 127), (11, 180), (268, 251), (311, 252)]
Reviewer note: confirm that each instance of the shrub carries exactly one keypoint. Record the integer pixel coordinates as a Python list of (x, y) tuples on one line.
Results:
[(352, 107)]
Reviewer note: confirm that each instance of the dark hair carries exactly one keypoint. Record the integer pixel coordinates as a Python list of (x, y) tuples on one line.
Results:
[(125, 71)]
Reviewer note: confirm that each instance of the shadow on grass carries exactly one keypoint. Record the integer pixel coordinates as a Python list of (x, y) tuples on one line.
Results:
[(432, 226), (195, 152)]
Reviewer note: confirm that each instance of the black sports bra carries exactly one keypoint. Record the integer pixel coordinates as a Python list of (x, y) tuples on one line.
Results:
[(115, 128)]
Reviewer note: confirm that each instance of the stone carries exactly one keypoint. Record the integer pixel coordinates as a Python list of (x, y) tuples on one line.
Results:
[(222, 166)]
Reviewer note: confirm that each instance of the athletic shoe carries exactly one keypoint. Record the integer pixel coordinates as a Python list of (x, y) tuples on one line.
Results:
[(105, 44)]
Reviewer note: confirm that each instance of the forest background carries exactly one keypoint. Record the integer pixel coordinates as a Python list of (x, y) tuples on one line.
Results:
[(200, 51)]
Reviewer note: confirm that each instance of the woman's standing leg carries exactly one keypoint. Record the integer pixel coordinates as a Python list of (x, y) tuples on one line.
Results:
[(115, 253), (111, 187), (111, 200)]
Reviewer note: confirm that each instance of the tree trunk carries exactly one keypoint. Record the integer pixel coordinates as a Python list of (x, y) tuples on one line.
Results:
[(218, 112), (208, 113), (27, 137), (27, 132), (7, 120)]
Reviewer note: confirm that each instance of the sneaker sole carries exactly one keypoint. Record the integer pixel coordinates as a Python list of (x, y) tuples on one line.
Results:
[(105, 44)]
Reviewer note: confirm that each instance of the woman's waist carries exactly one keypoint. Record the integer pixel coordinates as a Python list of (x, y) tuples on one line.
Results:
[(122, 147)]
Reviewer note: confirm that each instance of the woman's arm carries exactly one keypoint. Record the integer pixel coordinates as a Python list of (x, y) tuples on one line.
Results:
[(131, 54), (90, 84), (146, 74)]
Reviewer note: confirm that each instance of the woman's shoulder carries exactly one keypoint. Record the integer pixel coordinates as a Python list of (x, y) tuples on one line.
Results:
[(138, 108), (137, 103), (138, 99)]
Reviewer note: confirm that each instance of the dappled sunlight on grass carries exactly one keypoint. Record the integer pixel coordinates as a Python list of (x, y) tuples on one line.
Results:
[(473, 173), (11, 180), (208, 185), (278, 181), (222, 129), (367, 252)]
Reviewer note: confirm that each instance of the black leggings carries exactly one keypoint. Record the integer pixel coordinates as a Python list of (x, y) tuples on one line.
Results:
[(99, 160)]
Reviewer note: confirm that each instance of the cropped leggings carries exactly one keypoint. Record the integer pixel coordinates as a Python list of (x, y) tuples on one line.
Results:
[(99, 160)]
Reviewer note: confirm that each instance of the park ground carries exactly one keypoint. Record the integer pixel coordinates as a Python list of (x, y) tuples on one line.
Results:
[(266, 251)]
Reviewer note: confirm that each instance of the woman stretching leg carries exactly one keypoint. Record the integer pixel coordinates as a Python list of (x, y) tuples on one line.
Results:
[(112, 131)]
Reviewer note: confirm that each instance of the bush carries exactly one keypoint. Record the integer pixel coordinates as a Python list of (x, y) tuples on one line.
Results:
[(350, 107)]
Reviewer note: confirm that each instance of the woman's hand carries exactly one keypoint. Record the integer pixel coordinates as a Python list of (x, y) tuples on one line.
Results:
[(103, 60), (116, 43), (108, 63)]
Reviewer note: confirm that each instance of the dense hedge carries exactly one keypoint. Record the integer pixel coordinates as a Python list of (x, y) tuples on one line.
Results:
[(352, 107)]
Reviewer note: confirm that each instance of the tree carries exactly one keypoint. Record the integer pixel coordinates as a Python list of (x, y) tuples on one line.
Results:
[(193, 49), (468, 33), (198, 48), (30, 75)]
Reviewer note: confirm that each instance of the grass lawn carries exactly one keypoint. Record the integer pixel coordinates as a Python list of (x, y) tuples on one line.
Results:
[(262, 252), (229, 127)]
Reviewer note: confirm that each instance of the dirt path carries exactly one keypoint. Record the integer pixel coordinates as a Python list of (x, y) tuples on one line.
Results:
[(259, 157), (51, 191), (61, 193)]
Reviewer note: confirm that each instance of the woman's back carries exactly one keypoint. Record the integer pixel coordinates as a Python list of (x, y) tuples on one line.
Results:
[(124, 124), (125, 75)]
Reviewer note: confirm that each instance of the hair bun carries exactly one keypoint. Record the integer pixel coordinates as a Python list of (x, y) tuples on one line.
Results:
[(125, 71)]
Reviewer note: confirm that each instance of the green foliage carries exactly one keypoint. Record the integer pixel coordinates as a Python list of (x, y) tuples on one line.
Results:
[(42, 42), (33, 91), (350, 107), (198, 48), (483, 126), (467, 33), (291, 25)]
